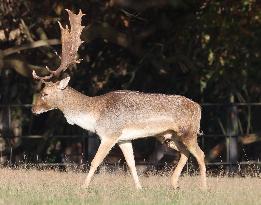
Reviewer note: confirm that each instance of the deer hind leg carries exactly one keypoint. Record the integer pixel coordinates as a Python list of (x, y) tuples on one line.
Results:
[(184, 154), (200, 157), (170, 138), (103, 150), (127, 150)]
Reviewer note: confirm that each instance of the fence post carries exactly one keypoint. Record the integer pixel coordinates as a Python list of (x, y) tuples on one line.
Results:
[(232, 140)]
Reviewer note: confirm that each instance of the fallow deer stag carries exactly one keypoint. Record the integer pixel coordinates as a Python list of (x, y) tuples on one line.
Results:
[(121, 116)]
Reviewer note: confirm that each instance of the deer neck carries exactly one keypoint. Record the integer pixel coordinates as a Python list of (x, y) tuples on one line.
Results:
[(79, 109)]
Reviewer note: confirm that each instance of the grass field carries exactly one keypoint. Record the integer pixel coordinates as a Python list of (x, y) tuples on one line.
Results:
[(53, 187)]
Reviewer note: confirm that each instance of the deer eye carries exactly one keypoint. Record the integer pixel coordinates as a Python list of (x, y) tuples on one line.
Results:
[(43, 95)]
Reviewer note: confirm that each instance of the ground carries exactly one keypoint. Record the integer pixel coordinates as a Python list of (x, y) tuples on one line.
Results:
[(53, 187)]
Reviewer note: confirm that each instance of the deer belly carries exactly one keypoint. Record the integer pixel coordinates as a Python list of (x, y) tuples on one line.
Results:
[(132, 133), (147, 128)]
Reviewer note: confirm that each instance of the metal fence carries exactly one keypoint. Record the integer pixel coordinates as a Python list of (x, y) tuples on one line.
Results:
[(230, 133)]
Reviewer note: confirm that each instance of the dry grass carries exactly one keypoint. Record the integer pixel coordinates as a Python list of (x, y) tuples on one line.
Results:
[(51, 187)]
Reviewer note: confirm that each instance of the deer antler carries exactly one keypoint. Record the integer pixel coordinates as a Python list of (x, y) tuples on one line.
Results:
[(70, 43)]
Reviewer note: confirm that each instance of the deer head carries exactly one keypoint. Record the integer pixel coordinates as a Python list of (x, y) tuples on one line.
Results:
[(49, 96), (53, 91)]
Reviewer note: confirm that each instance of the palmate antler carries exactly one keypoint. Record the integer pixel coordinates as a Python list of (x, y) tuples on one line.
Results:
[(71, 41)]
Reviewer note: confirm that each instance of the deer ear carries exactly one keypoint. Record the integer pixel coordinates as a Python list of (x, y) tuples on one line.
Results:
[(63, 83)]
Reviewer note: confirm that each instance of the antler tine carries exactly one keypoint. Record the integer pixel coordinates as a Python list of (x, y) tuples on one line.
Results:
[(42, 79), (71, 41)]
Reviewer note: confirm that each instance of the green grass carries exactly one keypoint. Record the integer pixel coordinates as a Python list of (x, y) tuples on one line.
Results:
[(51, 187)]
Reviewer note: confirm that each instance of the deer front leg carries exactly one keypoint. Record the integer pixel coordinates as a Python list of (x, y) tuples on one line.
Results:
[(127, 150), (103, 150)]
